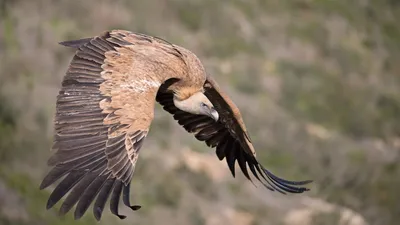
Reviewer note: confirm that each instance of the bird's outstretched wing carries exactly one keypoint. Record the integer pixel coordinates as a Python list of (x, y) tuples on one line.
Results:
[(103, 113), (228, 135)]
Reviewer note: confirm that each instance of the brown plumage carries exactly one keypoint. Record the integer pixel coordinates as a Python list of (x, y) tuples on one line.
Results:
[(105, 108)]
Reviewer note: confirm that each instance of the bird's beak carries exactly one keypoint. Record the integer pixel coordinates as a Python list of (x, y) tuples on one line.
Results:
[(214, 114)]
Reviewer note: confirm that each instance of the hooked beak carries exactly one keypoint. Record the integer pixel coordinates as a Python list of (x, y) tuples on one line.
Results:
[(214, 114)]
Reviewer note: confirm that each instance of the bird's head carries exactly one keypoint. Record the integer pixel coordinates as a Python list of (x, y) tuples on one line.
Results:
[(198, 104)]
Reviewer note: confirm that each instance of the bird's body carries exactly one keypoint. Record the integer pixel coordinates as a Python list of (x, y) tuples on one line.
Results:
[(105, 108)]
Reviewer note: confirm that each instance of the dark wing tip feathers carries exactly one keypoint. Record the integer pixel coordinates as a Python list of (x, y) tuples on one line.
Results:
[(281, 185), (268, 179), (227, 147)]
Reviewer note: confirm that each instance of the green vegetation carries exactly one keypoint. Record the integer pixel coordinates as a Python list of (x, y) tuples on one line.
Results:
[(317, 81), (7, 128)]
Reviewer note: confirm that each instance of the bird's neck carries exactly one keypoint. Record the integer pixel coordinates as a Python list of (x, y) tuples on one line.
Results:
[(183, 93)]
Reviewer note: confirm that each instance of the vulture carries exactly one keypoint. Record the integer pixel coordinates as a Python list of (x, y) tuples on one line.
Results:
[(105, 108)]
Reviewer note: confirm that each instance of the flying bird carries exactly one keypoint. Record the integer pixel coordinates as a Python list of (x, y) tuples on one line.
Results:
[(105, 108)]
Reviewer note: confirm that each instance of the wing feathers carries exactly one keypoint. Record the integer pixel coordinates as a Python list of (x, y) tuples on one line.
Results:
[(85, 75), (99, 130), (208, 131), (194, 127), (96, 158), (101, 45), (77, 126), (63, 188), (125, 198), (76, 192), (242, 164), (67, 145), (115, 147), (60, 170), (220, 150), (90, 193), (75, 157), (95, 50), (120, 155), (229, 138), (66, 97), (91, 57), (75, 43), (101, 200), (126, 173), (84, 99), (214, 140), (115, 197), (85, 69), (122, 152), (230, 151), (118, 41)]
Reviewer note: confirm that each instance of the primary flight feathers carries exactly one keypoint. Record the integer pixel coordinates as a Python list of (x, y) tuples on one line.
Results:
[(105, 107)]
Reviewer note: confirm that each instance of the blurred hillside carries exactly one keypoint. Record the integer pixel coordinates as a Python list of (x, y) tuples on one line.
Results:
[(317, 81)]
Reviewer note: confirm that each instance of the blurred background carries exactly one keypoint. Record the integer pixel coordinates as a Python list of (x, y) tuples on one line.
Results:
[(317, 82)]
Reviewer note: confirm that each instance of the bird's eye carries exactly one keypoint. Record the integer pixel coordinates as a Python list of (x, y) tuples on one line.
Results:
[(203, 104)]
